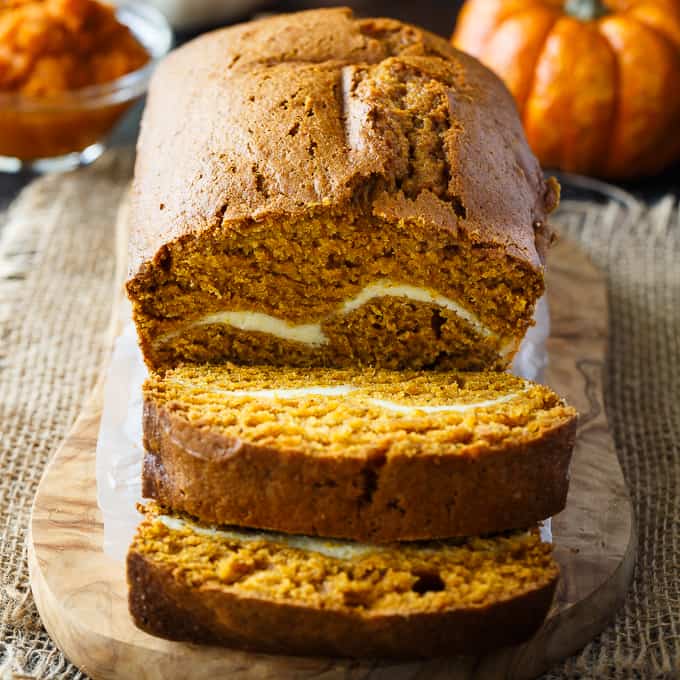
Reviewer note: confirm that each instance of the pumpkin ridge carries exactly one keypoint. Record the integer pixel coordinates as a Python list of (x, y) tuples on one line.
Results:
[(634, 18), (616, 106), (638, 155), (662, 143), (521, 105), (534, 75)]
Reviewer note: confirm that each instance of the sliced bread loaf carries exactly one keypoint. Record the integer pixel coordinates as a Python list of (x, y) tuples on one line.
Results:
[(306, 596), (372, 455)]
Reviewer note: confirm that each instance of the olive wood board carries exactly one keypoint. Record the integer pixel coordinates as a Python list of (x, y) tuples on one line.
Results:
[(82, 595)]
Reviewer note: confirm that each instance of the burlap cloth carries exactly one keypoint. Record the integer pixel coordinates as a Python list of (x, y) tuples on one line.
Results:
[(56, 286)]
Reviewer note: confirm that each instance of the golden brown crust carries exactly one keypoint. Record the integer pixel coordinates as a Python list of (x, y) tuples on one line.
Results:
[(371, 498), (320, 88), (163, 605)]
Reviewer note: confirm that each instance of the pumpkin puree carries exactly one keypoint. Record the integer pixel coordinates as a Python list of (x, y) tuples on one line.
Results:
[(52, 47)]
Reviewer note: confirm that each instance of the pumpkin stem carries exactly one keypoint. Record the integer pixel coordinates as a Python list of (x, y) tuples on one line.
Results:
[(586, 10)]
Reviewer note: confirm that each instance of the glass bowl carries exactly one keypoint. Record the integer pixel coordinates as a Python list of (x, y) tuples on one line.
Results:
[(64, 131)]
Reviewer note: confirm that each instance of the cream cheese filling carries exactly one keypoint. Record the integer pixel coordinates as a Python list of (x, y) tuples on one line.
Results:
[(335, 548), (343, 390), (342, 550), (308, 333), (388, 288), (294, 393), (458, 408), (312, 333)]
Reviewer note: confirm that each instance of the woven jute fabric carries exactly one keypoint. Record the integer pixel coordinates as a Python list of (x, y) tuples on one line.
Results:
[(56, 288), (57, 262)]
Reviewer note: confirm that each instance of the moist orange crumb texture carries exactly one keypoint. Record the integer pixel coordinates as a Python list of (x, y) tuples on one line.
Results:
[(432, 576), (51, 46), (304, 271), (354, 411)]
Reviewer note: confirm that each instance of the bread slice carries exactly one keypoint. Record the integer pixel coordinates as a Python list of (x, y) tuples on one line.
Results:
[(304, 596), (371, 455), (319, 189)]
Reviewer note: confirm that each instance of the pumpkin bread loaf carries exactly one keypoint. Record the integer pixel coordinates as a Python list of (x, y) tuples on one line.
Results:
[(297, 595), (324, 190), (366, 454), (323, 208)]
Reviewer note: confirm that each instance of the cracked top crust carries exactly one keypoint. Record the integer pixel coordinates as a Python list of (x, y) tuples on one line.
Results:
[(320, 110)]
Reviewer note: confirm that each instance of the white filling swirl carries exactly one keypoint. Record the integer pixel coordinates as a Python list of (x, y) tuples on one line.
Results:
[(312, 333), (343, 390), (335, 548)]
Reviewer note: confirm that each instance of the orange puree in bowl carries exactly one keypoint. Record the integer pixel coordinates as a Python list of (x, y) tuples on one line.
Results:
[(49, 51), (50, 46)]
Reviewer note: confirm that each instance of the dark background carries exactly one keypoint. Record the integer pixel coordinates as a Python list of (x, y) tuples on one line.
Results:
[(438, 16)]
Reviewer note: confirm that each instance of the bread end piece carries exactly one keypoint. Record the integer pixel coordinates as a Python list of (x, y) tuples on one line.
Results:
[(404, 601)]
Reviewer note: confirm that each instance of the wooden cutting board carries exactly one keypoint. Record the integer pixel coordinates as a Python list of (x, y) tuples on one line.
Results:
[(81, 593)]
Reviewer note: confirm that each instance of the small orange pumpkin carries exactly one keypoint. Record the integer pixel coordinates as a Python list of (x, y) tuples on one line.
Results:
[(597, 83)]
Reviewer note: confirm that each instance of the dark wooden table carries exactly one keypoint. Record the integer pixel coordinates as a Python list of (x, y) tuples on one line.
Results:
[(436, 15)]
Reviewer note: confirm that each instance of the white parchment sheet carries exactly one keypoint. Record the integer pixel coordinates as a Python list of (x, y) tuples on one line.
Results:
[(119, 446)]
